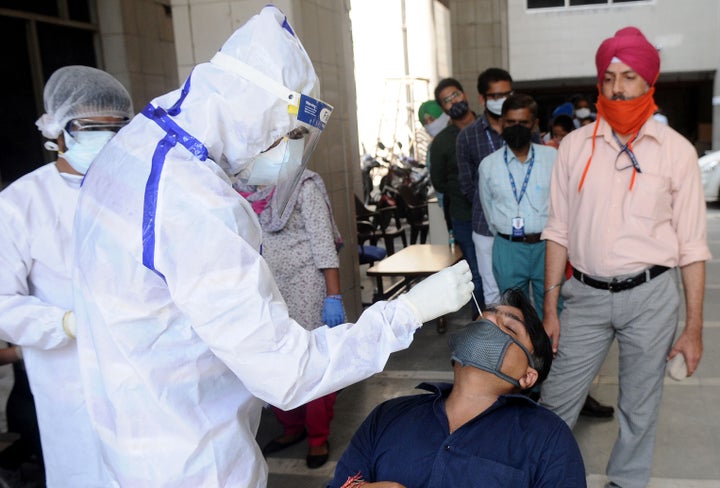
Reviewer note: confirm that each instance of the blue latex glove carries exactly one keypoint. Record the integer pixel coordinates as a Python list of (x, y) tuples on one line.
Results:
[(333, 313)]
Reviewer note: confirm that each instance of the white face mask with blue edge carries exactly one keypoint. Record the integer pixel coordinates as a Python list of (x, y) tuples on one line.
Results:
[(84, 147)]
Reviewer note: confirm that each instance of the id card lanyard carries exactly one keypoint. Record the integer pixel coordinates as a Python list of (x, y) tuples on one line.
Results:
[(518, 223), (490, 141)]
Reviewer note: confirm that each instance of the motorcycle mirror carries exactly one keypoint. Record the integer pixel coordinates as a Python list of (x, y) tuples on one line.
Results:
[(381, 145)]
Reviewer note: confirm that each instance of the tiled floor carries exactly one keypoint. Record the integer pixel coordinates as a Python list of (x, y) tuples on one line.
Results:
[(687, 452)]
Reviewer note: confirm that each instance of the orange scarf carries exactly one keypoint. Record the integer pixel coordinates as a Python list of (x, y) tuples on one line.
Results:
[(625, 117)]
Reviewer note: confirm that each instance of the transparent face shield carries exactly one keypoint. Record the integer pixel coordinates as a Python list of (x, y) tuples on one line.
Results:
[(283, 163)]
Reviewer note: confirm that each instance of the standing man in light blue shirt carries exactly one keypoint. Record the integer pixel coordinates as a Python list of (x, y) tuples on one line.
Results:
[(514, 184)]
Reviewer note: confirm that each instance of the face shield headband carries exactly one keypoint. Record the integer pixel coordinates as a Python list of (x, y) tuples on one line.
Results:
[(282, 164)]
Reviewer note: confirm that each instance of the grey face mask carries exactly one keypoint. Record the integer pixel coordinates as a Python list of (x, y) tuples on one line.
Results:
[(483, 345)]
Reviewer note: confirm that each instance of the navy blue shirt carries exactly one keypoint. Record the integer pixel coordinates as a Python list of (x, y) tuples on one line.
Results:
[(515, 443)]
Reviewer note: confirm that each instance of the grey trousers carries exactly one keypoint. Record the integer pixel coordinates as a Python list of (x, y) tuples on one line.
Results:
[(644, 320)]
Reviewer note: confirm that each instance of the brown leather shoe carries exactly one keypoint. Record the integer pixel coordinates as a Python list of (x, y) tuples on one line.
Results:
[(593, 408)]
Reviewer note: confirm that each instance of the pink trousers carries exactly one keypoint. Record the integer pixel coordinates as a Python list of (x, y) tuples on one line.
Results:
[(315, 416)]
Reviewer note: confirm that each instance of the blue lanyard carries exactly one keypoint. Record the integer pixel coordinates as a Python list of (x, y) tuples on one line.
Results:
[(489, 138), (527, 174)]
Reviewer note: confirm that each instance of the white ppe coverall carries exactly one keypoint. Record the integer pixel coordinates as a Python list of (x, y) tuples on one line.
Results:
[(181, 329), (36, 215)]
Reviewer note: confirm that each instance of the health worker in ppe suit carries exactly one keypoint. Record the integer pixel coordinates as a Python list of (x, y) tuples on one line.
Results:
[(183, 334), (84, 108)]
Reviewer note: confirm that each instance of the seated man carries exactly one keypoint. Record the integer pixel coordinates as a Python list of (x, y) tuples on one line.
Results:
[(479, 432)]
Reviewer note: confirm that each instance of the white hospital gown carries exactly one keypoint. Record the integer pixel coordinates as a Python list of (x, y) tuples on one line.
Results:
[(36, 215)]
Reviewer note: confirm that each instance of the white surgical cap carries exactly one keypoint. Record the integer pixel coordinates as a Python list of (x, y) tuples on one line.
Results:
[(75, 92)]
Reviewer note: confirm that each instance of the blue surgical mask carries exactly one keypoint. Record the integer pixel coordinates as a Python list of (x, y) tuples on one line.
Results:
[(84, 148), (265, 168)]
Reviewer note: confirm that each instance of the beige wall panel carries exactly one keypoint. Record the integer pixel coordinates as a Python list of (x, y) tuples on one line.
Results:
[(210, 25), (137, 46)]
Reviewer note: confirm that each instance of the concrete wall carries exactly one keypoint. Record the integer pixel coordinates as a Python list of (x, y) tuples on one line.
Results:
[(201, 27), (443, 41), (137, 46), (561, 43), (479, 40)]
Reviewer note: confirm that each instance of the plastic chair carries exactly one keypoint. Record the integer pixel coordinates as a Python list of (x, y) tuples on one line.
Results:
[(386, 224), (389, 228), (416, 213), (368, 254), (362, 213)]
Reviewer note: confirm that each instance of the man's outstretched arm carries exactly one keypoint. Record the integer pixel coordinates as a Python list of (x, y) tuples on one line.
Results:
[(555, 263)]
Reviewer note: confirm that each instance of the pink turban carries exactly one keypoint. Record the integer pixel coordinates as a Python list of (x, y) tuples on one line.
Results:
[(631, 47)]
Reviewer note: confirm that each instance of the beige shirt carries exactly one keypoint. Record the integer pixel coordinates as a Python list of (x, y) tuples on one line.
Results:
[(610, 230)]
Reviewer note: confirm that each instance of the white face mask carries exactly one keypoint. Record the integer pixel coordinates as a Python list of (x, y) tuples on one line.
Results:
[(265, 167), (495, 106), (84, 148), (434, 127), (582, 113)]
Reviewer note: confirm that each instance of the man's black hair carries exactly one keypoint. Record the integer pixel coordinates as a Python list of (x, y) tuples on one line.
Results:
[(577, 98), (542, 347), (491, 75), (444, 83), (564, 121), (519, 101)]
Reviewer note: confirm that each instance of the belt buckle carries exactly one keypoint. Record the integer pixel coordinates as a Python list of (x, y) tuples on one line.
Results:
[(613, 285), (616, 285)]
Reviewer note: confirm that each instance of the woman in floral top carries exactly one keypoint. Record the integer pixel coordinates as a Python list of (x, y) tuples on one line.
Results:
[(300, 247)]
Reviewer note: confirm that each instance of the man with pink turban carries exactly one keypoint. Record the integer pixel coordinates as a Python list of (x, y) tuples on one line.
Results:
[(626, 208)]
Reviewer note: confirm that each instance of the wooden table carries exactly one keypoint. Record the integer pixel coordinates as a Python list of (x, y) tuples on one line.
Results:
[(411, 263)]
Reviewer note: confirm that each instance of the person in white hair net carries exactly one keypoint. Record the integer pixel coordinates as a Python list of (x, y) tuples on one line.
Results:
[(84, 108), (183, 334)]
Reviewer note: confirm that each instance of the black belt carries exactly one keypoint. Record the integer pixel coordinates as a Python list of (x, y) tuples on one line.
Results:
[(527, 238), (616, 285)]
